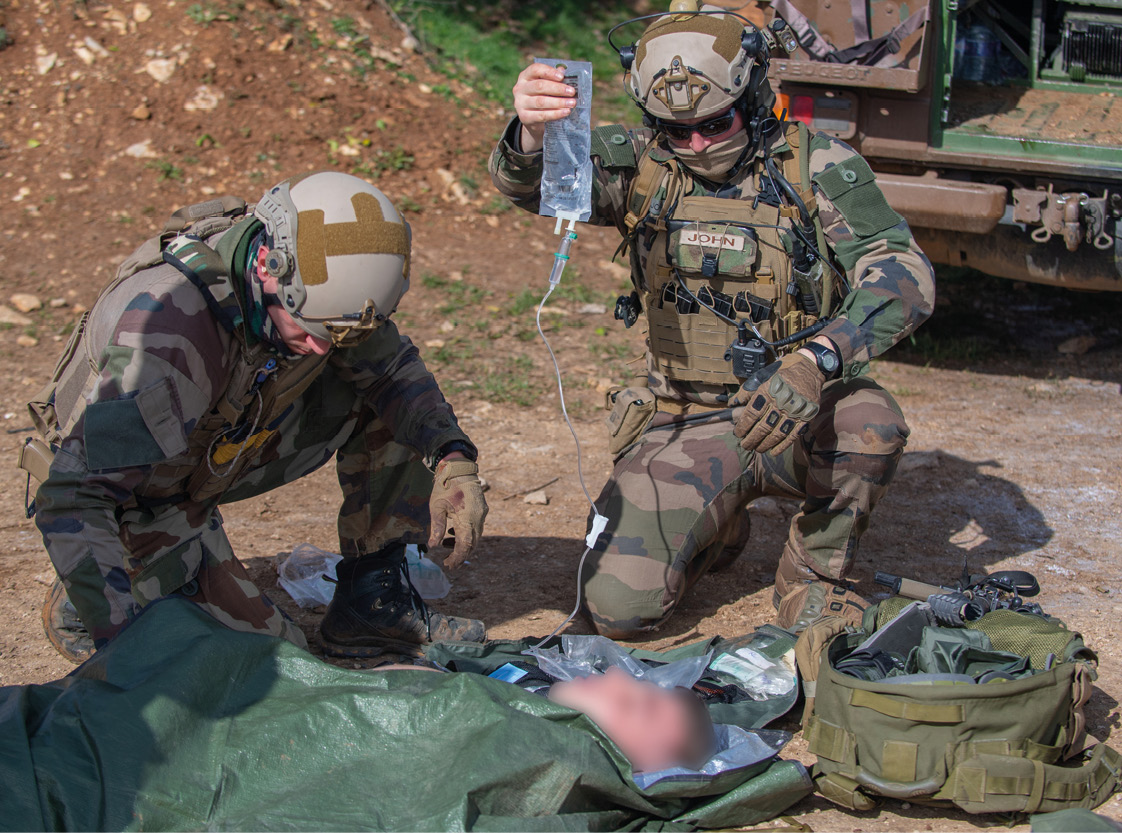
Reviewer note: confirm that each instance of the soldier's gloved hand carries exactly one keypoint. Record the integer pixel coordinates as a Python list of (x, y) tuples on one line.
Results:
[(779, 400), (457, 507)]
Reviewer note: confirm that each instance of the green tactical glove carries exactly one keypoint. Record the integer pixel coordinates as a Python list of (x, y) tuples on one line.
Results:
[(779, 401), (457, 507)]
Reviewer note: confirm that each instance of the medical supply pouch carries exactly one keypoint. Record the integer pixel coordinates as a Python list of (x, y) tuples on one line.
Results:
[(988, 718), (631, 411)]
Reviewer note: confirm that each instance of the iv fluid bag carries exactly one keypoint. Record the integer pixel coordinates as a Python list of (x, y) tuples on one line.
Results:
[(567, 175)]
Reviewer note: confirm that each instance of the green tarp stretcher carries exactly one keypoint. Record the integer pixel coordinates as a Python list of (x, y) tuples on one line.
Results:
[(182, 724)]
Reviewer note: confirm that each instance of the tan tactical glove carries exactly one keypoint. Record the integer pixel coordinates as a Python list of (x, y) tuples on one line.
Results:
[(779, 400), (457, 507)]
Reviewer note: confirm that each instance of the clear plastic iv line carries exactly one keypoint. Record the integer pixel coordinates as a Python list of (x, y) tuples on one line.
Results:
[(599, 522)]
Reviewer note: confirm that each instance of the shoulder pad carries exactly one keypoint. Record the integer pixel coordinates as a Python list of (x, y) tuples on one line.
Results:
[(613, 145), (183, 218)]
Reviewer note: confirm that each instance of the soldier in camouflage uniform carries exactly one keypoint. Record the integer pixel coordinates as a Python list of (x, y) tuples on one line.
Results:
[(239, 351), (771, 271)]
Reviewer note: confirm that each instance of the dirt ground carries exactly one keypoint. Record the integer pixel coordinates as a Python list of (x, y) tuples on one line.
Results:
[(1013, 457)]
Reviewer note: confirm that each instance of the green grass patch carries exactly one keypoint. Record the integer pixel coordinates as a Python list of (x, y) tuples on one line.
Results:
[(486, 44)]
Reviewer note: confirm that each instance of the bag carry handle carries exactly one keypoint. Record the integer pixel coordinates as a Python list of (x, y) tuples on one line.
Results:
[(898, 789), (905, 710)]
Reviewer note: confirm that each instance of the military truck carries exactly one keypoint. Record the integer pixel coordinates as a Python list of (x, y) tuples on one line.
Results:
[(994, 126)]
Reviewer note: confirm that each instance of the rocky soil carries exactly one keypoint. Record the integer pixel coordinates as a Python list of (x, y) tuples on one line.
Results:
[(114, 114)]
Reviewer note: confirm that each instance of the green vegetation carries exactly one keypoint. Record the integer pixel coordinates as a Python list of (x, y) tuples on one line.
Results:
[(206, 13), (167, 170), (487, 44)]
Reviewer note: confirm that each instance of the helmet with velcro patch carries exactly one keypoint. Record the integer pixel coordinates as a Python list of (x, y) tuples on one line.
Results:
[(694, 62), (339, 250)]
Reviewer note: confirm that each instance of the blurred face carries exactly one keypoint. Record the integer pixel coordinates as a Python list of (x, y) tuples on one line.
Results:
[(649, 724), (298, 340)]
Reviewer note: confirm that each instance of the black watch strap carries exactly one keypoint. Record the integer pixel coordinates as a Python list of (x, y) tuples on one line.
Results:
[(465, 448), (827, 359)]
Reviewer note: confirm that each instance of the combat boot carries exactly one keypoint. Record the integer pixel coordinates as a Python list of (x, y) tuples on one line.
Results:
[(802, 597), (375, 609), (63, 628)]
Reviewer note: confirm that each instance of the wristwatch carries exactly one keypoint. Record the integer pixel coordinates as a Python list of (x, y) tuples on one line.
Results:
[(827, 359), (467, 449)]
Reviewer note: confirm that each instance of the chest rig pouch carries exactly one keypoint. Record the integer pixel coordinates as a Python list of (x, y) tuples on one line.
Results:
[(721, 261)]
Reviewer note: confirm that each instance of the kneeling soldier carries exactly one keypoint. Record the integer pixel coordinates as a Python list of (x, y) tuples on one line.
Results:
[(241, 350)]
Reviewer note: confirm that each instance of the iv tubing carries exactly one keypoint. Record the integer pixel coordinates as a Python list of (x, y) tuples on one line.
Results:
[(561, 257)]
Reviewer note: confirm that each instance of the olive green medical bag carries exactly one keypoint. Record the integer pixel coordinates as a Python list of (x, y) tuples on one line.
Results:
[(988, 718)]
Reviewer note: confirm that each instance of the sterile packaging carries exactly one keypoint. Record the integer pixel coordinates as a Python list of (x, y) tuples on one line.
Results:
[(426, 575), (758, 675), (303, 575), (583, 656), (566, 189)]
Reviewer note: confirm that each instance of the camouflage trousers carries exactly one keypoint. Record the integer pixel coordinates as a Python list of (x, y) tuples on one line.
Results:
[(674, 501), (182, 548)]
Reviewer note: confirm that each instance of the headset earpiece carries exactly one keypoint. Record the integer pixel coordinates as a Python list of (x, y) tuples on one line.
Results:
[(627, 56), (752, 42)]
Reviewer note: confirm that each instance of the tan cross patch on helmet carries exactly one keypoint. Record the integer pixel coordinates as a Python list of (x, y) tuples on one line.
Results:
[(369, 233)]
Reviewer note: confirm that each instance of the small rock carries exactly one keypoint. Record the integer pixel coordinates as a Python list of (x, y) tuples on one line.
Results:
[(485, 486), (141, 113), (141, 13), (456, 276), (45, 63), (592, 309), (65, 175), (204, 98), (1077, 346), (23, 193), (383, 55), (96, 48), (161, 69), (25, 302), (84, 55), (425, 88), (436, 343), (538, 498), (410, 43), (280, 44), (10, 316), (447, 327), (27, 341), (141, 150), (56, 303)]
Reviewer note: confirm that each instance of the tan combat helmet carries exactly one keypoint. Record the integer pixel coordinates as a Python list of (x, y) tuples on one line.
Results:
[(696, 62), (339, 251)]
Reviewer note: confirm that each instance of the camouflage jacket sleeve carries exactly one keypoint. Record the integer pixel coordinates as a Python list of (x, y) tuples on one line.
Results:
[(518, 176), (892, 281), (163, 368), (388, 371)]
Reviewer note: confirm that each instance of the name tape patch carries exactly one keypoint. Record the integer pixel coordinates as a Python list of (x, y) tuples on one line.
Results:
[(711, 240)]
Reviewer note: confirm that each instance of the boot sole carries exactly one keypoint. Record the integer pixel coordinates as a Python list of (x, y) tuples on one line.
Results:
[(54, 599), (365, 651)]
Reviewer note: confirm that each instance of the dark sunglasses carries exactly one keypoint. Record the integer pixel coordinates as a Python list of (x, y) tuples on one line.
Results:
[(711, 127)]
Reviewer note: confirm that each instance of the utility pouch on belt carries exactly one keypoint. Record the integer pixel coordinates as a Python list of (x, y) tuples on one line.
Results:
[(988, 718), (632, 410)]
